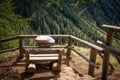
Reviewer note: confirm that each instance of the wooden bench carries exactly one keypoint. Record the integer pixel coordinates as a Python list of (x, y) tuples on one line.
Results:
[(34, 55)]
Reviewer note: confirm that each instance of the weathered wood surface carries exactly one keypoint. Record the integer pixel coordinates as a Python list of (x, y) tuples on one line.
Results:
[(85, 58), (110, 27), (43, 54), (8, 39), (21, 47), (107, 55), (48, 47), (6, 50), (43, 58), (54, 36), (43, 50), (34, 36), (87, 43), (72, 38), (68, 51), (93, 55), (110, 48)]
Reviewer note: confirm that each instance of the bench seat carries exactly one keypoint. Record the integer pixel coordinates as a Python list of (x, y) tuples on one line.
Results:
[(34, 55)]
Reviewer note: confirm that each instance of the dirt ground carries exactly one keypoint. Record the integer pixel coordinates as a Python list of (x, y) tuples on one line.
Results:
[(13, 69)]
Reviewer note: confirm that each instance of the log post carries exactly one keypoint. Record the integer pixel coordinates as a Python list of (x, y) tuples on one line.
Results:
[(111, 29), (68, 51), (93, 55), (107, 55), (21, 47)]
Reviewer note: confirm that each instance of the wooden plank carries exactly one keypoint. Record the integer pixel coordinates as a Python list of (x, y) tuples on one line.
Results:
[(34, 36), (107, 55), (8, 39), (44, 50), (60, 59), (110, 27), (48, 47), (85, 58), (68, 52), (93, 55), (110, 48), (21, 47), (7, 50), (43, 58), (88, 44), (43, 55)]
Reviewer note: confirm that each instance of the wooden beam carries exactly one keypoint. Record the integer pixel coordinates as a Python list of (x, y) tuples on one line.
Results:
[(110, 48), (93, 55), (85, 58), (68, 52), (7, 50), (8, 39), (87, 43), (21, 47), (44, 50), (107, 55), (110, 27), (48, 47), (34, 36)]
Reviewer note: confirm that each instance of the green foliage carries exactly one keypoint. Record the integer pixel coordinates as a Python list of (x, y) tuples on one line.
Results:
[(57, 21), (11, 24), (59, 17)]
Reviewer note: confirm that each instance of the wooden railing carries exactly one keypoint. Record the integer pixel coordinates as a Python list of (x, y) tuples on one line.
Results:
[(70, 38), (93, 53), (108, 49)]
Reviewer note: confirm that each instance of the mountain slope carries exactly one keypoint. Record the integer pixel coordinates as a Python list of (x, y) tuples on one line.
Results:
[(62, 18), (57, 21)]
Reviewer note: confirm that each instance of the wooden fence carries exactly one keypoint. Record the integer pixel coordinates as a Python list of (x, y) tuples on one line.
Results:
[(70, 39), (108, 48)]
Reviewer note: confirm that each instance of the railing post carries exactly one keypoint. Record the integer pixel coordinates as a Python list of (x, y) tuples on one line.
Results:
[(107, 55), (68, 51), (93, 54), (21, 47)]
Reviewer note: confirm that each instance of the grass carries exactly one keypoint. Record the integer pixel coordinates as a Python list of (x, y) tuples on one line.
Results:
[(83, 65), (6, 55), (78, 61)]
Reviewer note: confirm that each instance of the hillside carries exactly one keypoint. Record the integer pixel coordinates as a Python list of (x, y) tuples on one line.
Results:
[(55, 20), (105, 12), (64, 19), (60, 17)]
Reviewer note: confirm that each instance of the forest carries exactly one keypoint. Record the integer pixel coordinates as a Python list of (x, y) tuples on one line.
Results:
[(81, 18)]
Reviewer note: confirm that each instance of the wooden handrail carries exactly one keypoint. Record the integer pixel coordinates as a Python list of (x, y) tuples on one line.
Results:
[(110, 27), (88, 44), (8, 39), (70, 39), (6, 50), (110, 48), (83, 57), (54, 36), (110, 34), (31, 36), (38, 47)]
